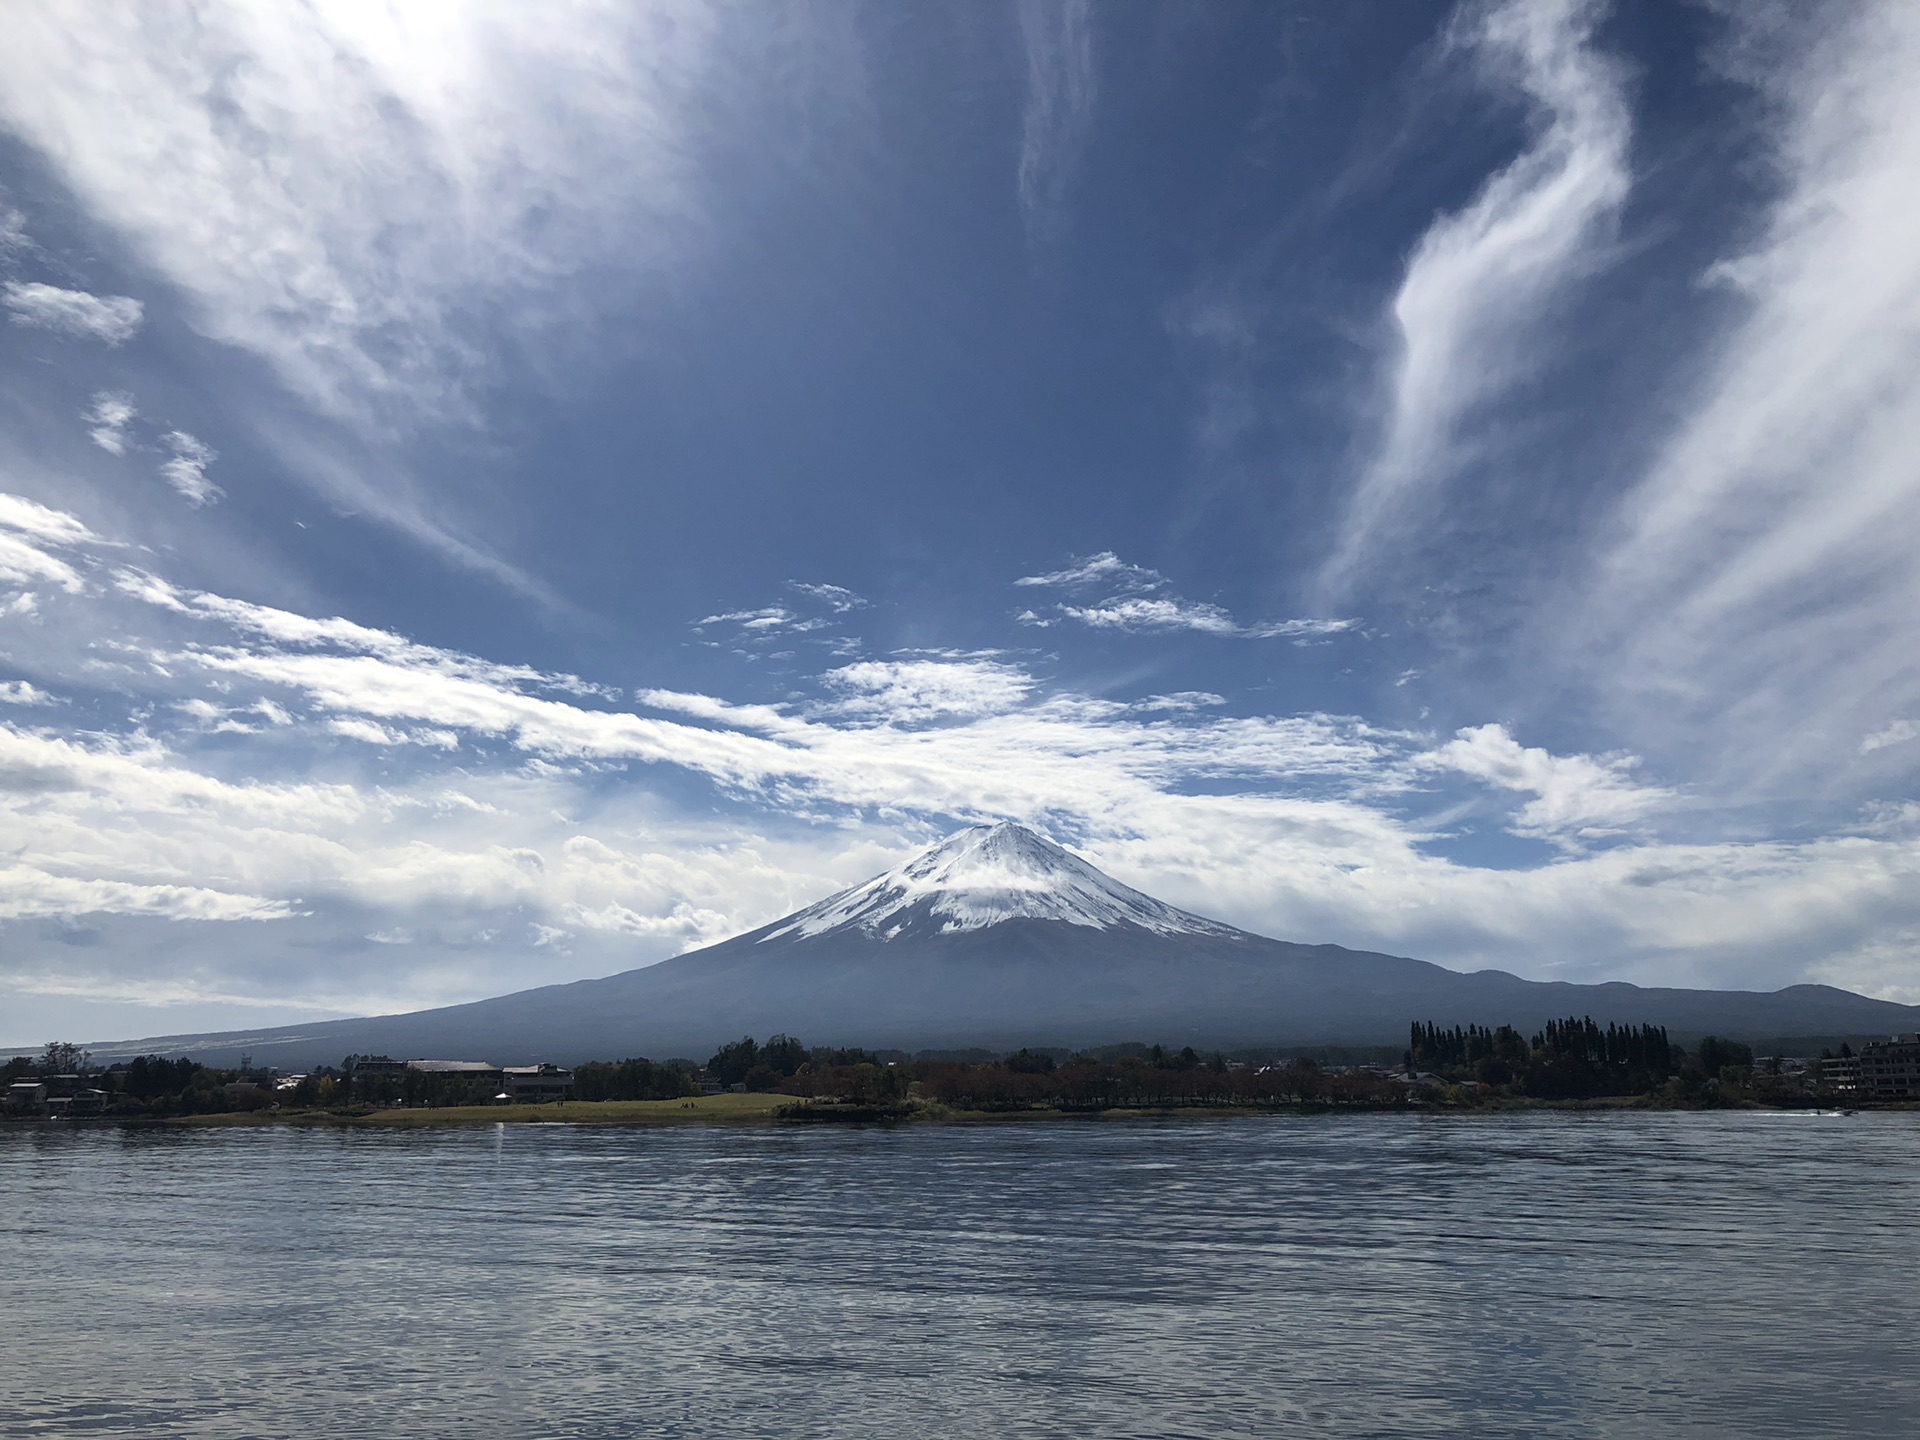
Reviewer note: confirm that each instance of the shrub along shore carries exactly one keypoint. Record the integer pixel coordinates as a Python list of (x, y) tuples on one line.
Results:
[(1570, 1064)]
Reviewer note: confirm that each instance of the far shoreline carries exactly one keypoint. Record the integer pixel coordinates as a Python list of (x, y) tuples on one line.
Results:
[(774, 1109)]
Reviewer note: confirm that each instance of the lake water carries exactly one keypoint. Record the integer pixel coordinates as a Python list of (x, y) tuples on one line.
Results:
[(1559, 1274)]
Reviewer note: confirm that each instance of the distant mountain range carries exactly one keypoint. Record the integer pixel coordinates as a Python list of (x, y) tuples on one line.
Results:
[(999, 938)]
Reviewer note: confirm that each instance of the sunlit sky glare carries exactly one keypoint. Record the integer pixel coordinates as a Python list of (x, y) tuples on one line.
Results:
[(496, 494)]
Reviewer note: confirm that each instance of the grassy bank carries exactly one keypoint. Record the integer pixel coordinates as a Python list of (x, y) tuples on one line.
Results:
[(768, 1108), (705, 1110)]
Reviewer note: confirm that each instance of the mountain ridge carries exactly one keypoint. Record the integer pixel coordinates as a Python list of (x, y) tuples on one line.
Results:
[(997, 937)]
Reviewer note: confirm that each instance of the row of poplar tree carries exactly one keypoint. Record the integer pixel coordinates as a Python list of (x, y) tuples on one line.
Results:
[(1571, 1057)]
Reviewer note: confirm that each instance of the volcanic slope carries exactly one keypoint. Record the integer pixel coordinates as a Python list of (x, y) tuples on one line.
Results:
[(998, 937)]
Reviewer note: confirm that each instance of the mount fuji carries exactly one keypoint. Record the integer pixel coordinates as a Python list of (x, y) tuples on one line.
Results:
[(983, 877), (998, 937)]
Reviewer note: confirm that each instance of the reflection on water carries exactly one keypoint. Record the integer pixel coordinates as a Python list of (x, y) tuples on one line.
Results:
[(1557, 1274)]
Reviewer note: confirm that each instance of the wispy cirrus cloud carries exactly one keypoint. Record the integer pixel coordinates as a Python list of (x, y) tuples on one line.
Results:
[(24, 563), (1105, 569), (109, 417), (1577, 798), (1149, 613), (284, 628), (821, 611), (1753, 607), (1140, 600), (13, 234), (492, 813), (1468, 315), (112, 319), (1062, 86), (377, 206), (767, 620), (1897, 732), (27, 892), (30, 533), (914, 691), (43, 522), (836, 598), (342, 181), (186, 469)]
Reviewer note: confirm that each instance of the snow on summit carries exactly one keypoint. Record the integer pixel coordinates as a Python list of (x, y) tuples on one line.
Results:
[(982, 876)]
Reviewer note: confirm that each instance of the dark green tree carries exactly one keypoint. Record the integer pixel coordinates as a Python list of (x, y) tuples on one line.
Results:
[(731, 1063), (1716, 1054), (633, 1079), (784, 1055)]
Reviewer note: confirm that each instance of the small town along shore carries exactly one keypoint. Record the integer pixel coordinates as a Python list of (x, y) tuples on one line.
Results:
[(1570, 1065)]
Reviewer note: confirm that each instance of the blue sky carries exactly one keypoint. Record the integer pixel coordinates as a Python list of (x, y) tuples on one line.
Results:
[(490, 497)]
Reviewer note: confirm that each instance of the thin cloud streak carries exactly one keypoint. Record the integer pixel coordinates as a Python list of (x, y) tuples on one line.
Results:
[(111, 319), (109, 419), (1481, 281), (29, 533), (1758, 602), (1140, 601), (186, 469), (373, 201), (339, 180), (1062, 85)]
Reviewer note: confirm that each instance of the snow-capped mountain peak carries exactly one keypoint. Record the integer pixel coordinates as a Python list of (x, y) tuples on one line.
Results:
[(982, 876)]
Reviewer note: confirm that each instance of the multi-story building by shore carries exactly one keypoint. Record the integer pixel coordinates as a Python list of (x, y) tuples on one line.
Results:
[(476, 1070), (1842, 1072), (537, 1082), (1890, 1069)]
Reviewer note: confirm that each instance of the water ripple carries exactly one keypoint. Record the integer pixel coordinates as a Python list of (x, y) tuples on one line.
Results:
[(1536, 1275)]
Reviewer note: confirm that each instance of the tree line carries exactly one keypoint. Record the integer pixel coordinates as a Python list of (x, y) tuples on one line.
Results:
[(1576, 1059), (1028, 1079), (855, 1080), (147, 1084)]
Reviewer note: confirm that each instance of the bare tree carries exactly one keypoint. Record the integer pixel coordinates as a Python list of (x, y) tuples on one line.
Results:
[(63, 1058)]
